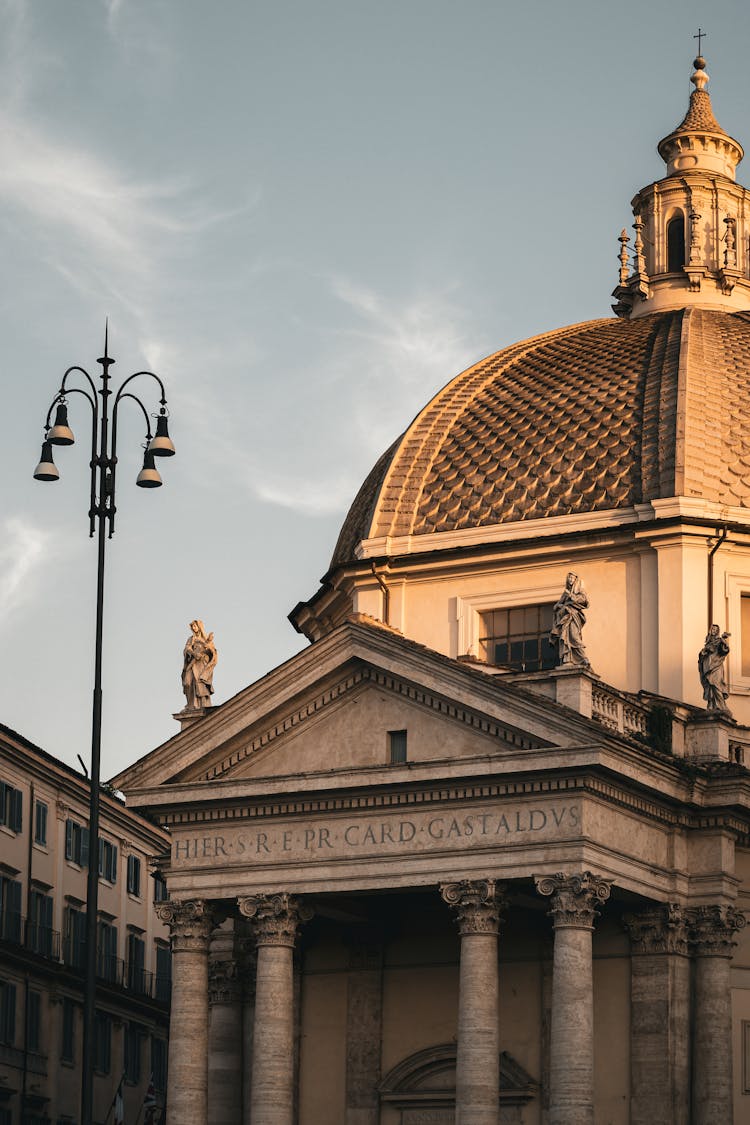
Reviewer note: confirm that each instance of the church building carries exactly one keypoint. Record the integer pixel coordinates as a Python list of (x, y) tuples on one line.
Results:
[(480, 853)]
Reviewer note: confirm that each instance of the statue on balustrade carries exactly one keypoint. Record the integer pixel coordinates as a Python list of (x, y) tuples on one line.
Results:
[(711, 670), (568, 619), (199, 661)]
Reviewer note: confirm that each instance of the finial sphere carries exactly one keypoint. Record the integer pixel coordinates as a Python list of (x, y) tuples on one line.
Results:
[(699, 62)]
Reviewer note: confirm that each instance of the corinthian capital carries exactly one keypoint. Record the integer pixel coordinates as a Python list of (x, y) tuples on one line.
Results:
[(712, 928), (478, 904), (275, 919), (190, 924), (224, 983), (574, 897), (661, 930)]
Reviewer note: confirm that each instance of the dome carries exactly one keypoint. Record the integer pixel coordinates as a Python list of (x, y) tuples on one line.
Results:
[(602, 415)]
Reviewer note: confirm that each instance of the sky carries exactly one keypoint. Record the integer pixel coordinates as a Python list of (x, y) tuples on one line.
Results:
[(306, 217)]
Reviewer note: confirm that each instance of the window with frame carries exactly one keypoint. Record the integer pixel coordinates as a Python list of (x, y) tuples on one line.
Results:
[(161, 894), (68, 1038), (11, 807), (159, 1063), (76, 843), (10, 909), (134, 875), (7, 1013), (108, 860), (518, 638), (74, 944), (397, 747), (40, 823), (103, 1043), (676, 243), (132, 1057)]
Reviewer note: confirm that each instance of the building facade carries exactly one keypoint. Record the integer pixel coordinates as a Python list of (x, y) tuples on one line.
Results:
[(44, 855), (459, 861)]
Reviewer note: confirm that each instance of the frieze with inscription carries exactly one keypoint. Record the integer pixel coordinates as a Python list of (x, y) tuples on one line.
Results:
[(389, 834)]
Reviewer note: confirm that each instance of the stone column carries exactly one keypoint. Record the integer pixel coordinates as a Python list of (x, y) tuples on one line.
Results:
[(711, 929), (224, 1042), (247, 963), (659, 1016), (191, 924), (574, 902), (275, 922), (477, 904), (364, 1020)]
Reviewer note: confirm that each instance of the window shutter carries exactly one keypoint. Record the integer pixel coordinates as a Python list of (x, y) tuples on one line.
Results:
[(12, 927), (113, 865), (68, 839), (84, 860), (16, 811), (3, 803)]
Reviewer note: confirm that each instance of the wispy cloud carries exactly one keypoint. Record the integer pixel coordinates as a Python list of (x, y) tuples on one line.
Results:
[(20, 558)]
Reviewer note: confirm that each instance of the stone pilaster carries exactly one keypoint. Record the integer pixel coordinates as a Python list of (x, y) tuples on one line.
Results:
[(224, 1042), (659, 1016), (574, 901), (275, 921), (190, 924), (478, 904), (711, 930)]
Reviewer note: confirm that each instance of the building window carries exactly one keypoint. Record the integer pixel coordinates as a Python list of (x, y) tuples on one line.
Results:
[(675, 243), (10, 909), (33, 1020), (108, 861), (161, 894), (518, 638), (136, 959), (40, 823), (397, 746), (132, 1058), (106, 951), (103, 1043), (159, 1063), (11, 807), (163, 989), (74, 945), (76, 843), (7, 1013), (39, 933), (67, 1049), (134, 875)]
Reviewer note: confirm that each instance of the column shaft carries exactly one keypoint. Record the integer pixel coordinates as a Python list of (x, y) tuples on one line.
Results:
[(477, 904), (572, 1023), (224, 1044)]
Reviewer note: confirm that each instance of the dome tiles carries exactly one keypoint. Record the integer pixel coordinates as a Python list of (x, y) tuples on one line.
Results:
[(597, 416)]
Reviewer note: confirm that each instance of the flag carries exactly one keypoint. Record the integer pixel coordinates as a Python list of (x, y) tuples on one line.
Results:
[(149, 1104)]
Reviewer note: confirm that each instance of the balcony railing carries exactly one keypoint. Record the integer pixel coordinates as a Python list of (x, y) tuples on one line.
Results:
[(138, 980), (30, 935)]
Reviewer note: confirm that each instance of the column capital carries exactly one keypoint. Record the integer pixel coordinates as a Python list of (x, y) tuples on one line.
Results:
[(275, 919), (660, 930), (574, 897), (478, 904), (224, 981), (712, 928), (190, 923)]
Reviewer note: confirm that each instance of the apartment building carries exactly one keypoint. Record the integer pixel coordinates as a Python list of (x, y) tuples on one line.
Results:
[(44, 857)]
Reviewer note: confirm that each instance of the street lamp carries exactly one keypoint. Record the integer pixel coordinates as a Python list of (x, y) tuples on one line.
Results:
[(101, 513)]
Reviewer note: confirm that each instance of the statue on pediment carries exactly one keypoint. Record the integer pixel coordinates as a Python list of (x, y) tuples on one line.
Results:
[(711, 670), (199, 661), (568, 619)]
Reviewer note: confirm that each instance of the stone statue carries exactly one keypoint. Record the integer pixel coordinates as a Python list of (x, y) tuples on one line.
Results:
[(711, 670), (568, 620), (198, 668)]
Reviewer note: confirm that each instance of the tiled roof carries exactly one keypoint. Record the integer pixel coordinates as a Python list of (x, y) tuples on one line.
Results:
[(578, 420), (700, 114)]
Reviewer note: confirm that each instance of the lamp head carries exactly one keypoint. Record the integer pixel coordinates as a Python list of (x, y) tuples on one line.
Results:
[(161, 444), (148, 476), (46, 469), (61, 433)]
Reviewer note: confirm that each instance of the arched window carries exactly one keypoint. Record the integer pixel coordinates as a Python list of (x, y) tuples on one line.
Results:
[(676, 243)]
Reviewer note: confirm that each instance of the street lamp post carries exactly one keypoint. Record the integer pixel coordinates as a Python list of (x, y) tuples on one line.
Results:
[(101, 513)]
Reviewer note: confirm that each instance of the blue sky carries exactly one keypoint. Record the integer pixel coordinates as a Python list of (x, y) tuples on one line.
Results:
[(306, 217)]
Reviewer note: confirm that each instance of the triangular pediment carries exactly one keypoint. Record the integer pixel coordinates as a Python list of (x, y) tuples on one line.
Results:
[(331, 708)]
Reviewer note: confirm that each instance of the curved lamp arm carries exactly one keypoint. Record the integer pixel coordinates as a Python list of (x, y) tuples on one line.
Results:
[(118, 398)]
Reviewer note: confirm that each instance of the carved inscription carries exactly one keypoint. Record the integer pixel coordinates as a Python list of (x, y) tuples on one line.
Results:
[(388, 834)]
